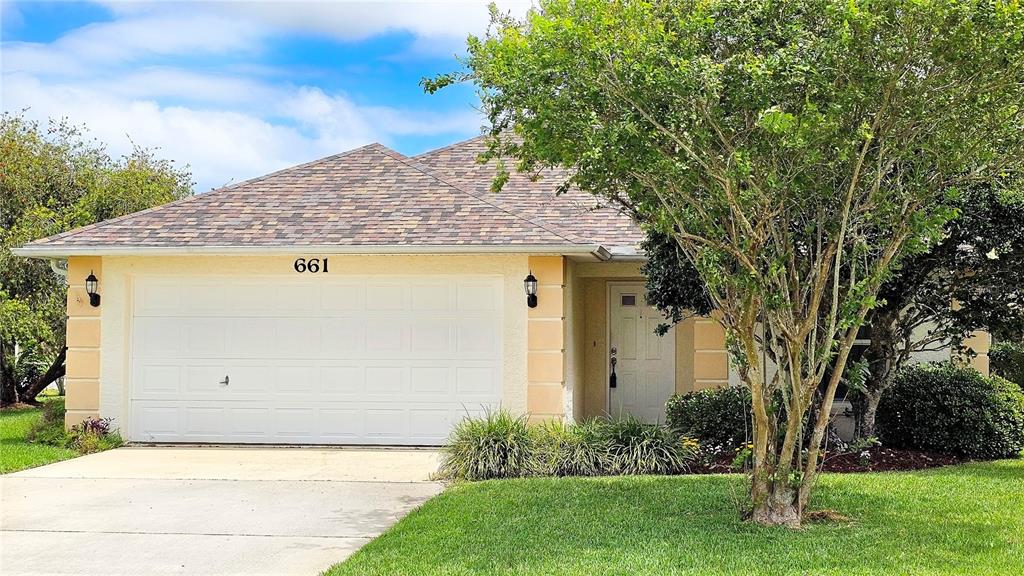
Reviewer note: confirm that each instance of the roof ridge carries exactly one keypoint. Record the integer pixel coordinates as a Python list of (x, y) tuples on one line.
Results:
[(448, 146), (204, 195), (573, 238)]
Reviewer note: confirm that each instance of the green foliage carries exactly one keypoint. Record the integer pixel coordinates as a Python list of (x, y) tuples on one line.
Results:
[(673, 284), (55, 179), (496, 445), (953, 409), (49, 428), (499, 445), (1007, 360), (638, 448), (563, 449), (717, 417)]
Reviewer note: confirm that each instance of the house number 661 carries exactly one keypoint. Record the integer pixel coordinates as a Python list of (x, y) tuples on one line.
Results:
[(313, 265)]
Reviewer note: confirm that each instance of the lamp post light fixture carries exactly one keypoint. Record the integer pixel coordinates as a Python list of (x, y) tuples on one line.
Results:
[(91, 284), (530, 283)]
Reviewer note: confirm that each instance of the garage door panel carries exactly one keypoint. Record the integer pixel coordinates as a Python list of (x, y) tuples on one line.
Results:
[(342, 297), (251, 423), (248, 337), (360, 360), (386, 296), (298, 423), (204, 421), (341, 338), (385, 336), (431, 382), (386, 381), (341, 381), (435, 296), (158, 380)]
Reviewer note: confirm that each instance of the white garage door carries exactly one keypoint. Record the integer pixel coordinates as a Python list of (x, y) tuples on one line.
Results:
[(339, 360)]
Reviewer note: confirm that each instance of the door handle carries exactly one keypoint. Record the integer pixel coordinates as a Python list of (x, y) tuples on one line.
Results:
[(613, 380), (225, 381)]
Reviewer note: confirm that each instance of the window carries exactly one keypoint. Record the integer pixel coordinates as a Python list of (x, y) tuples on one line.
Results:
[(628, 300)]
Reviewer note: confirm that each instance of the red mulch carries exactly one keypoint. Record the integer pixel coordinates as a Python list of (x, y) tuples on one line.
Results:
[(888, 460), (881, 460)]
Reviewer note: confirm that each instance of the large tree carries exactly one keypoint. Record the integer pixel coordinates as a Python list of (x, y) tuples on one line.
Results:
[(54, 179), (971, 279), (795, 151)]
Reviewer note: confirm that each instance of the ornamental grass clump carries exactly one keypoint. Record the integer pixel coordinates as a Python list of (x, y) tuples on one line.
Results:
[(568, 449), (635, 447), (497, 445)]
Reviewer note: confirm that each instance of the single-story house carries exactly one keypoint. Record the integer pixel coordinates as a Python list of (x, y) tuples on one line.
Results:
[(367, 298)]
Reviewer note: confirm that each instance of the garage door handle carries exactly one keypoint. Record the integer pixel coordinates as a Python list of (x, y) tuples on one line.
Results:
[(226, 380)]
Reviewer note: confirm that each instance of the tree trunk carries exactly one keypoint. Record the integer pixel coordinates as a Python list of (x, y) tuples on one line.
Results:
[(883, 358), (8, 384), (56, 370), (774, 504), (871, 400)]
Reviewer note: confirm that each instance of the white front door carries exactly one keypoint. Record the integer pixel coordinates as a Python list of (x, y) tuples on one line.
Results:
[(644, 363), (336, 360)]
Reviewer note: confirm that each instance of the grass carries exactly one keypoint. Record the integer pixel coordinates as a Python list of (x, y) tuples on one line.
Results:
[(16, 452), (965, 519)]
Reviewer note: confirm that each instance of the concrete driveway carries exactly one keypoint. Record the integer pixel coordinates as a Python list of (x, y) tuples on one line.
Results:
[(206, 510)]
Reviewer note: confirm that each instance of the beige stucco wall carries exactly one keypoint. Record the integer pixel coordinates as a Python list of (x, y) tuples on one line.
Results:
[(82, 379), (116, 310)]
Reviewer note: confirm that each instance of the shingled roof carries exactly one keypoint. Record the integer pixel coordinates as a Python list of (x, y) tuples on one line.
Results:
[(371, 198), (575, 211)]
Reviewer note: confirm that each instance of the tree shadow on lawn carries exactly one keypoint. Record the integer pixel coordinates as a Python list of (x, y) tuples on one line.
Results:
[(688, 525)]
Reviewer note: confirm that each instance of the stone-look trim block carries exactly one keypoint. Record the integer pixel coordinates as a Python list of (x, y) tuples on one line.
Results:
[(83, 332), (710, 365), (545, 361), (80, 266), (549, 302), (83, 363), (544, 366), (544, 399), (546, 334), (708, 335), (82, 394), (548, 269), (73, 418), (78, 302)]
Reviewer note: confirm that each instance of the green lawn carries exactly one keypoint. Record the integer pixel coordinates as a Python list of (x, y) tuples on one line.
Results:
[(960, 520), (16, 453)]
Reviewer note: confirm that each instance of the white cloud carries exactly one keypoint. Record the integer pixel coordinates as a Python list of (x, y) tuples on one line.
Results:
[(131, 76), (353, 20), (223, 146)]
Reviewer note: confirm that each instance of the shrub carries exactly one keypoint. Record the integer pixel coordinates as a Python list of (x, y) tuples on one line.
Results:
[(638, 448), (1007, 360), (49, 428), (94, 435), (563, 449), (718, 417), (952, 409), (498, 445)]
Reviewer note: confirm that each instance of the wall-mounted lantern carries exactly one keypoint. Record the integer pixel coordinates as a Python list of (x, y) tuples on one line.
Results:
[(91, 287), (530, 283)]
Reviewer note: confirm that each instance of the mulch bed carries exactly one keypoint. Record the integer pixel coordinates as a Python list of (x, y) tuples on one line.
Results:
[(888, 460), (881, 460)]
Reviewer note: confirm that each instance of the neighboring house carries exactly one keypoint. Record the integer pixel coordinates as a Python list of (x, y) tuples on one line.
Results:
[(367, 298)]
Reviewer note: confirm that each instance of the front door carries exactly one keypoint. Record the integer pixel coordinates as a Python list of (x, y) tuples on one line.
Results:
[(643, 363)]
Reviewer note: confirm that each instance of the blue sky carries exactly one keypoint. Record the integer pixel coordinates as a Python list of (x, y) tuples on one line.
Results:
[(238, 89)]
